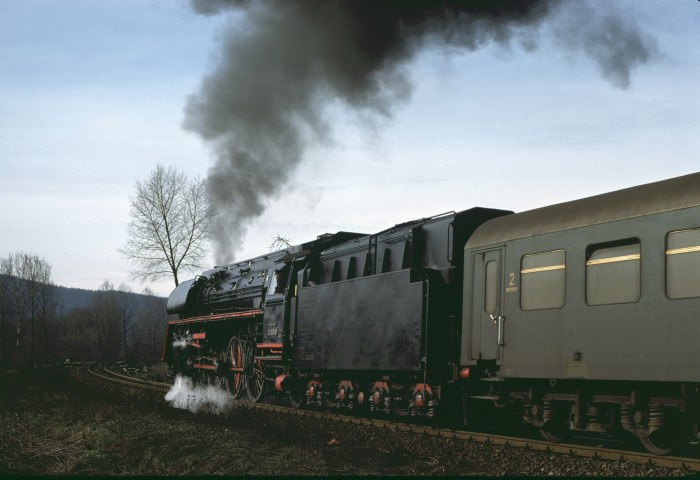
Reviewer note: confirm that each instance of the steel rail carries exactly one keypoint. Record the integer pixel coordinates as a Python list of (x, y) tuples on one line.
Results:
[(130, 381), (167, 386)]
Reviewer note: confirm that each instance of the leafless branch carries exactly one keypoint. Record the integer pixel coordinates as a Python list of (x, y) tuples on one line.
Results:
[(279, 242), (170, 217)]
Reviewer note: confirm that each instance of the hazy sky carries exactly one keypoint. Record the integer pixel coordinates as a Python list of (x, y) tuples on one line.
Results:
[(92, 97)]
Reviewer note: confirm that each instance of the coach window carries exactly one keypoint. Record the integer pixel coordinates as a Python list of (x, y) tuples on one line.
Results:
[(683, 264), (491, 287), (613, 272), (542, 278)]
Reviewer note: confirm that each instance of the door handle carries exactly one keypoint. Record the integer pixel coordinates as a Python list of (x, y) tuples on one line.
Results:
[(498, 323), (500, 320)]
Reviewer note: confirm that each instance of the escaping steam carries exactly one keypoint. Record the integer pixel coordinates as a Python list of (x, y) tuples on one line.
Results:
[(187, 395), (181, 341), (265, 100)]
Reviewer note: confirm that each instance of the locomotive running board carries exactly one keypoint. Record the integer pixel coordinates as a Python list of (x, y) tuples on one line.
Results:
[(221, 316)]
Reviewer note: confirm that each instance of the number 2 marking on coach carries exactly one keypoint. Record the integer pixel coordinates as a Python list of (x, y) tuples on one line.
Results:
[(511, 283)]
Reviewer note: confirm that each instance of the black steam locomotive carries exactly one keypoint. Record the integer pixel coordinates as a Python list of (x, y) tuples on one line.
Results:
[(579, 316)]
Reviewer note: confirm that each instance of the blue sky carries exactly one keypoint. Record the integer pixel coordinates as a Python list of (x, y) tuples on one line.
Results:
[(92, 97)]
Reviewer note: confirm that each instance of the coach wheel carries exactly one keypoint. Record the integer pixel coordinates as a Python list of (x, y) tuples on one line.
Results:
[(660, 442), (555, 417), (235, 356), (666, 427), (554, 430)]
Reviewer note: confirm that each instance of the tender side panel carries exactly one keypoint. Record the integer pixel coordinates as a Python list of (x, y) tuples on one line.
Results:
[(363, 324)]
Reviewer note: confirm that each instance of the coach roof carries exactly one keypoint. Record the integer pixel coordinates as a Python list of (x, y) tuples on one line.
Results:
[(663, 196)]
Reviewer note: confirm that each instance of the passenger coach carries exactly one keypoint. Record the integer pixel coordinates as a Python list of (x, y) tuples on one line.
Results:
[(586, 313)]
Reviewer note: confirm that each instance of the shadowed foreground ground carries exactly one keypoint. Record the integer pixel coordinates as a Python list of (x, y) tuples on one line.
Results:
[(63, 422)]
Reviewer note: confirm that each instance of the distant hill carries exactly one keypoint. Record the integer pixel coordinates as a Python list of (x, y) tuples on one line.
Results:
[(76, 298)]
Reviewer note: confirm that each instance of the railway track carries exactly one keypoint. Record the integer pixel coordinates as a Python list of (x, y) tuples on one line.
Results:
[(111, 376), (585, 451)]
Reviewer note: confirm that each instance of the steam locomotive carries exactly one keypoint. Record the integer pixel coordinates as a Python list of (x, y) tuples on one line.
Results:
[(581, 316)]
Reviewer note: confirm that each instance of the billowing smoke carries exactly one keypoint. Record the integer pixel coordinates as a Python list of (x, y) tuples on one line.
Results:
[(266, 99)]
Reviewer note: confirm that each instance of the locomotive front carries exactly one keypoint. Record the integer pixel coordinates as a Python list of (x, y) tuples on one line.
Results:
[(234, 319)]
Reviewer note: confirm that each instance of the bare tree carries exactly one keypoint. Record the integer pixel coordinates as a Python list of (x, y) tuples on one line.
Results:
[(152, 321), (47, 312), (24, 299), (16, 297), (125, 305), (278, 243), (80, 335), (37, 272), (5, 312), (105, 322), (170, 217)]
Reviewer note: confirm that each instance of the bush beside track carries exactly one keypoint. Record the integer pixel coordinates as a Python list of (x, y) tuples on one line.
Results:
[(58, 421)]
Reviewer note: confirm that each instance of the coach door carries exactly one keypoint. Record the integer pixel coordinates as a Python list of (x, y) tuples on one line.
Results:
[(487, 306)]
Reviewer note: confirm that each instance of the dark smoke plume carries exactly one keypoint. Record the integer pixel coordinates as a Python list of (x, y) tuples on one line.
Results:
[(265, 100)]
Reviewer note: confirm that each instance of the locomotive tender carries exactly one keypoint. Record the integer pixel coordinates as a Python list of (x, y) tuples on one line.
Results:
[(577, 316)]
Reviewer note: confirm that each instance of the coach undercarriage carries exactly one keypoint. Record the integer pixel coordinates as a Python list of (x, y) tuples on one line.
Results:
[(661, 416)]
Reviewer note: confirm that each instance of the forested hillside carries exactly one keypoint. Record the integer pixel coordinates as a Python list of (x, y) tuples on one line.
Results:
[(41, 323)]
